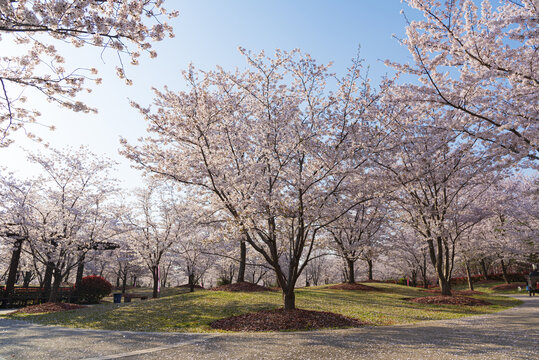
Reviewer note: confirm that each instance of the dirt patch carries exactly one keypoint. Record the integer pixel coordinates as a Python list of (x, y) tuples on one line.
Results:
[(503, 287), (241, 286), (48, 308), (280, 319), (450, 300), (347, 286)]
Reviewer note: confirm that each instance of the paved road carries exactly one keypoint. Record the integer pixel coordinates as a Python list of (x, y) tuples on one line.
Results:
[(511, 334)]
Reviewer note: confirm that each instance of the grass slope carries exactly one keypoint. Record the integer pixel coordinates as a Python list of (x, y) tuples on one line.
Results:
[(193, 312)]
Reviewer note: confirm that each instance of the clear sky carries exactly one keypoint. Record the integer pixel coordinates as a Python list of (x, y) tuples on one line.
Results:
[(208, 33)]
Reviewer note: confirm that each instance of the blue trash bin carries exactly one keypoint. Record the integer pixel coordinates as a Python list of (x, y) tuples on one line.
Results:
[(117, 298)]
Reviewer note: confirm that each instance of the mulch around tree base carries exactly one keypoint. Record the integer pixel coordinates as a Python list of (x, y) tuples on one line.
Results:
[(449, 300), (241, 286), (513, 286), (347, 286), (280, 319), (48, 308)]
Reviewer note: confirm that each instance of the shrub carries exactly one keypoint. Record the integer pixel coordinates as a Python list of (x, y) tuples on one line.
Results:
[(402, 281), (223, 281), (93, 288)]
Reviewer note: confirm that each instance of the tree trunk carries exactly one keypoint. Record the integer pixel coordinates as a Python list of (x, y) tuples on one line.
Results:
[(55, 286), (124, 281), (414, 277), (243, 260), (351, 274), (445, 286), (469, 276), (289, 299), (66, 276), (504, 272), (425, 280), (191, 283), (369, 263), (14, 266), (155, 275), (484, 271), (437, 262), (80, 273), (27, 278), (424, 272), (47, 280)]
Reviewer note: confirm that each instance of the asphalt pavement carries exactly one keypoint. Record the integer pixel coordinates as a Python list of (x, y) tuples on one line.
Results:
[(510, 334)]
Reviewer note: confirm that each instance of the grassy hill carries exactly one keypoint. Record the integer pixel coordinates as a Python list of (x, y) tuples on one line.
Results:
[(193, 312)]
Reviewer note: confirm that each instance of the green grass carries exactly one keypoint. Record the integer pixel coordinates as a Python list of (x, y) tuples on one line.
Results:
[(193, 312)]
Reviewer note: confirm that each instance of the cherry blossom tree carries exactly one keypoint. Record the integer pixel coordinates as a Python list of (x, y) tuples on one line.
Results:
[(510, 227), (154, 226), (127, 27), (409, 254), (441, 177), (15, 197), (481, 66), (194, 252), (354, 234), (270, 145), (66, 214)]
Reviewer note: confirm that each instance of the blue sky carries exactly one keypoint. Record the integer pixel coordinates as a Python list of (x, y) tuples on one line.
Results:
[(208, 33)]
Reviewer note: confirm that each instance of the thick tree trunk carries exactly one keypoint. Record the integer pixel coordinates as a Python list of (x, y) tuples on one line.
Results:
[(47, 280), (437, 262), (504, 272), (155, 275), (469, 276), (351, 273), (369, 263), (14, 267), (289, 299), (445, 286), (55, 286), (243, 260)]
